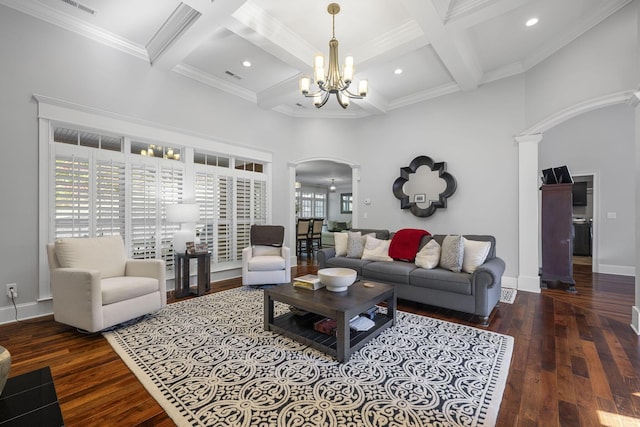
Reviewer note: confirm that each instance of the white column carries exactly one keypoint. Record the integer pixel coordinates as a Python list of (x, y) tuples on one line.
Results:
[(635, 310), (292, 213), (528, 213)]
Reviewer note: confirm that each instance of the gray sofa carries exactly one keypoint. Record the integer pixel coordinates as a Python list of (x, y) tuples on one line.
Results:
[(476, 293)]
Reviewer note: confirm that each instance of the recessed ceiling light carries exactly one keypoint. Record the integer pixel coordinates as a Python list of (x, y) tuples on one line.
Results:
[(246, 63), (397, 71), (531, 22)]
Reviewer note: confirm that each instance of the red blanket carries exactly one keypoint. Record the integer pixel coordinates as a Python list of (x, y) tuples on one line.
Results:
[(404, 244)]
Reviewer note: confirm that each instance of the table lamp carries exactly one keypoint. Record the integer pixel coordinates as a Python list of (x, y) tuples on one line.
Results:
[(186, 214)]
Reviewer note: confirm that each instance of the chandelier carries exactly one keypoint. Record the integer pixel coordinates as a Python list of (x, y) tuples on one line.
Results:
[(332, 81)]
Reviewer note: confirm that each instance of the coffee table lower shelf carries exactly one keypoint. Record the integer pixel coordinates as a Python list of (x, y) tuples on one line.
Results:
[(300, 328)]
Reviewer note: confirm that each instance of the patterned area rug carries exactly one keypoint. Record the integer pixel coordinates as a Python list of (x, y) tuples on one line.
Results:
[(208, 361), (508, 295)]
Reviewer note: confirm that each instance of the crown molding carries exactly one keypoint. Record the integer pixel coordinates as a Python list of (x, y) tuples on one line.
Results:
[(436, 92), (68, 22)]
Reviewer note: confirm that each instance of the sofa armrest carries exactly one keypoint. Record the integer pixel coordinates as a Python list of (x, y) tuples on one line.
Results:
[(77, 297), (154, 268), (323, 255), (489, 273)]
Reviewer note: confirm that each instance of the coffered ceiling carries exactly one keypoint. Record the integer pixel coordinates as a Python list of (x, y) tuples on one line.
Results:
[(441, 46)]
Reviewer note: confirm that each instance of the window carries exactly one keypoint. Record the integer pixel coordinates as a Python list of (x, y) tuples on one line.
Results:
[(230, 202), (346, 200), (311, 204)]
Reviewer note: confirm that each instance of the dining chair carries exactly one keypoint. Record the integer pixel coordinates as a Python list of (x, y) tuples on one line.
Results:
[(303, 233)]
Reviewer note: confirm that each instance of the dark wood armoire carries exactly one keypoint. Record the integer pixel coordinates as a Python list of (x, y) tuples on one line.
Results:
[(557, 235)]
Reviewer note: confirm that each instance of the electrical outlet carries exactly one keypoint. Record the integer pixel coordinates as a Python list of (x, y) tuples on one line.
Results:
[(15, 290)]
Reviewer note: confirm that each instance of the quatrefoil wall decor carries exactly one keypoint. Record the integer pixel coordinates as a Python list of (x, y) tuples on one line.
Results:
[(429, 192)]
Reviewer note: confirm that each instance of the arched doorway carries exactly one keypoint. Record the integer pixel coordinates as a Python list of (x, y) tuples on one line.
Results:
[(315, 175)]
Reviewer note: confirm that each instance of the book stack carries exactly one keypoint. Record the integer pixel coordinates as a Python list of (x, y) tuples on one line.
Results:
[(326, 326), (308, 281)]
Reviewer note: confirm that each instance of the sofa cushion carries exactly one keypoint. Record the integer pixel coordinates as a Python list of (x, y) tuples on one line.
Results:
[(105, 254), (429, 255), (388, 271), (352, 263), (475, 253), (261, 250), (452, 253), (115, 289), (376, 249), (442, 280), (266, 263)]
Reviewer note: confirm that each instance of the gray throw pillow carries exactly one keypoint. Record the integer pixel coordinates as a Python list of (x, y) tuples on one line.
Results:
[(452, 253), (355, 244)]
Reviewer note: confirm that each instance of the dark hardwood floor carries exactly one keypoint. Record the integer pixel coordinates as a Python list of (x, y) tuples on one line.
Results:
[(576, 360)]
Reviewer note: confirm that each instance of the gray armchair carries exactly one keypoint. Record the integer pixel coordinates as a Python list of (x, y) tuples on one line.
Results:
[(267, 261)]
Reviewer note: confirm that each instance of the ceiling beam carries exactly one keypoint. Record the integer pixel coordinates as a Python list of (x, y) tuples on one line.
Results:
[(452, 50), (213, 15)]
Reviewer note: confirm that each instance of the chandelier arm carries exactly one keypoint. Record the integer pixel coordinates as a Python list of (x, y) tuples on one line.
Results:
[(311, 95), (352, 95), (324, 100)]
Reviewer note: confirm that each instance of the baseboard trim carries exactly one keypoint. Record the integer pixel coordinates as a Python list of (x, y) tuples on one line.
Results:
[(620, 270), (529, 284), (509, 282), (26, 311), (635, 319)]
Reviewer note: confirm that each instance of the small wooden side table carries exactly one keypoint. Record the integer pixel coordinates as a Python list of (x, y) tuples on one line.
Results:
[(203, 262)]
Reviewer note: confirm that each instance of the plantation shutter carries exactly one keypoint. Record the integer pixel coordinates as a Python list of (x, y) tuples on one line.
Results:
[(243, 215), (260, 202), (205, 192), (224, 214), (71, 205), (109, 198), (144, 214), (171, 191)]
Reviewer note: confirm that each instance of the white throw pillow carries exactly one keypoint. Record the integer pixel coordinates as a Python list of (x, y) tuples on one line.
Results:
[(429, 255), (340, 242), (452, 253), (376, 249), (475, 253)]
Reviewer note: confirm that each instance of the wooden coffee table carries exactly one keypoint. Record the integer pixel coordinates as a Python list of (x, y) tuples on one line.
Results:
[(341, 306)]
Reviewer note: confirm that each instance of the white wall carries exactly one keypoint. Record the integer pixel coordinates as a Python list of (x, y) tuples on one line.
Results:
[(602, 142)]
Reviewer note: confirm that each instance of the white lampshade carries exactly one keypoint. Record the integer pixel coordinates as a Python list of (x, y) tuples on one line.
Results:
[(184, 212)]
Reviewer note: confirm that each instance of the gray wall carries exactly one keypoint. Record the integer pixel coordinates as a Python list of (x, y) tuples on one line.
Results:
[(601, 142)]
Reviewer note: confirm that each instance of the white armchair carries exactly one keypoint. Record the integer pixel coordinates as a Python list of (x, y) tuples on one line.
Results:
[(94, 286), (267, 261)]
